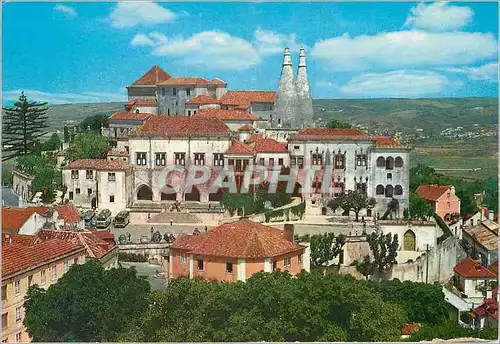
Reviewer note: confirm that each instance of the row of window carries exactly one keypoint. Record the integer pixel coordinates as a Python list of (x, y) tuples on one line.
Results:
[(287, 261), (90, 175), (174, 91), (271, 161), (390, 162), (179, 159), (389, 190)]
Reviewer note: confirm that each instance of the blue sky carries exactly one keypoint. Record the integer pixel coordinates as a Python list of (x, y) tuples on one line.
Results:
[(88, 52)]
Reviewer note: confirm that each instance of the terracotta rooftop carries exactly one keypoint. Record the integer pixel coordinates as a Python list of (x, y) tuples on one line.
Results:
[(115, 152), (246, 127), (261, 144), (241, 239), (325, 134), (152, 77), (98, 164), (227, 115), (18, 257), (469, 268), (203, 100), (386, 142), (431, 192), (192, 82), (120, 116), (238, 147), (68, 213), (140, 102), (14, 218), (488, 309), (484, 236), (245, 98), (21, 239), (182, 126)]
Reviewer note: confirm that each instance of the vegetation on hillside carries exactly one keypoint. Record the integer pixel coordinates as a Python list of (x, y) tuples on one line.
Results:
[(87, 145)]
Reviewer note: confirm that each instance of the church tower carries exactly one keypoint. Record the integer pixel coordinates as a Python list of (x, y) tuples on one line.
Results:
[(304, 116), (285, 101)]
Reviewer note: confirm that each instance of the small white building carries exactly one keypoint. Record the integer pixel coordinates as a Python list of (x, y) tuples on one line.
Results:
[(472, 280), (21, 184)]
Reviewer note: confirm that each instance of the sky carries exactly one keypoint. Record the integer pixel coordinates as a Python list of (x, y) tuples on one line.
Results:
[(89, 52)]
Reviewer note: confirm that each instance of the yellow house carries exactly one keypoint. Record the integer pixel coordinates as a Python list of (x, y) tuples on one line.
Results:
[(26, 263)]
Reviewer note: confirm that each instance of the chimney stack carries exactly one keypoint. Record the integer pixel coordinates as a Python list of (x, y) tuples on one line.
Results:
[(289, 231), (285, 102), (304, 117), (452, 188)]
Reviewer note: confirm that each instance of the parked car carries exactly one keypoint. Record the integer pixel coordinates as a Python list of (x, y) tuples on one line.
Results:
[(122, 219), (88, 216), (103, 218)]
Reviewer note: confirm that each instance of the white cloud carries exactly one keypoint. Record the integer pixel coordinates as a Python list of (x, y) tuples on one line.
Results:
[(217, 49), (66, 10), (326, 84), (130, 14), (66, 98), (404, 49), (486, 72), (439, 16), (400, 83)]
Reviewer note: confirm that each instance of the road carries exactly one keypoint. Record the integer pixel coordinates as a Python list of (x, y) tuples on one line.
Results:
[(148, 270)]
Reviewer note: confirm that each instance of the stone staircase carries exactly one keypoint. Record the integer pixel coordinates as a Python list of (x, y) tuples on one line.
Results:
[(177, 217)]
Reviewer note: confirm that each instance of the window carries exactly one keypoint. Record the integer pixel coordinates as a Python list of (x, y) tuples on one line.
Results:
[(89, 192), (4, 320), (174, 91), (389, 175), (199, 159), (287, 261), (188, 92), (218, 159), (296, 147), (398, 162), (448, 204), (230, 162), (389, 163), (361, 160), (74, 174), (54, 272), (380, 161), (180, 159), (229, 268), (43, 277), (65, 267), (194, 112), (189, 113), (77, 191), (280, 161), (389, 191), (183, 259), (71, 195), (317, 159), (140, 158), (30, 280), (4, 292), (160, 159), (18, 314), (300, 258), (262, 161), (111, 176), (89, 174), (168, 112), (380, 190), (75, 261), (271, 161), (18, 337), (275, 265), (339, 161), (112, 199), (398, 190), (17, 287), (200, 264), (361, 188)]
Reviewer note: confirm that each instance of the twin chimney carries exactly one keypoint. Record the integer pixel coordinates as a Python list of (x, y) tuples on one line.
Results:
[(289, 231)]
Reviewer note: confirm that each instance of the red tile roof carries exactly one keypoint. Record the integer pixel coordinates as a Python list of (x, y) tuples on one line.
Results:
[(140, 102), (17, 257), (245, 98), (192, 82), (68, 213), (431, 192), (386, 142), (469, 268), (241, 239), (323, 134), (410, 329), (98, 164), (485, 234), (203, 100), (183, 126), (152, 77), (129, 116), (14, 218), (488, 309), (227, 115), (246, 127), (20, 239), (494, 268), (115, 152), (238, 147), (261, 144)]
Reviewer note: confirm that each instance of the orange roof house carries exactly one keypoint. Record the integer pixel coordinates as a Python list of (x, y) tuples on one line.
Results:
[(243, 99), (235, 251), (442, 198), (151, 78), (182, 127), (24, 220), (469, 268)]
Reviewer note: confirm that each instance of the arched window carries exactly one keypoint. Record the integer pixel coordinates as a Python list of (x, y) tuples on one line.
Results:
[(389, 163), (380, 189), (380, 161), (409, 241), (398, 162), (398, 190), (389, 191), (145, 193)]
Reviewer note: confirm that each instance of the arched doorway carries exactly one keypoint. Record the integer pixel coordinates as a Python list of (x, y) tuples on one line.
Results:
[(409, 240), (168, 196), (144, 193), (194, 195)]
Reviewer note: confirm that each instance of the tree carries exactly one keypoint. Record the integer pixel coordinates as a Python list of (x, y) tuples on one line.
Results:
[(366, 267), (324, 247), (87, 145), (87, 304), (384, 249), (52, 144), (336, 124), (352, 201), (94, 123), (419, 208), (67, 134), (43, 169), (22, 124)]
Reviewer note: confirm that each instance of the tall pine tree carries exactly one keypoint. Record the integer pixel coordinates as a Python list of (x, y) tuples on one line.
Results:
[(22, 125)]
